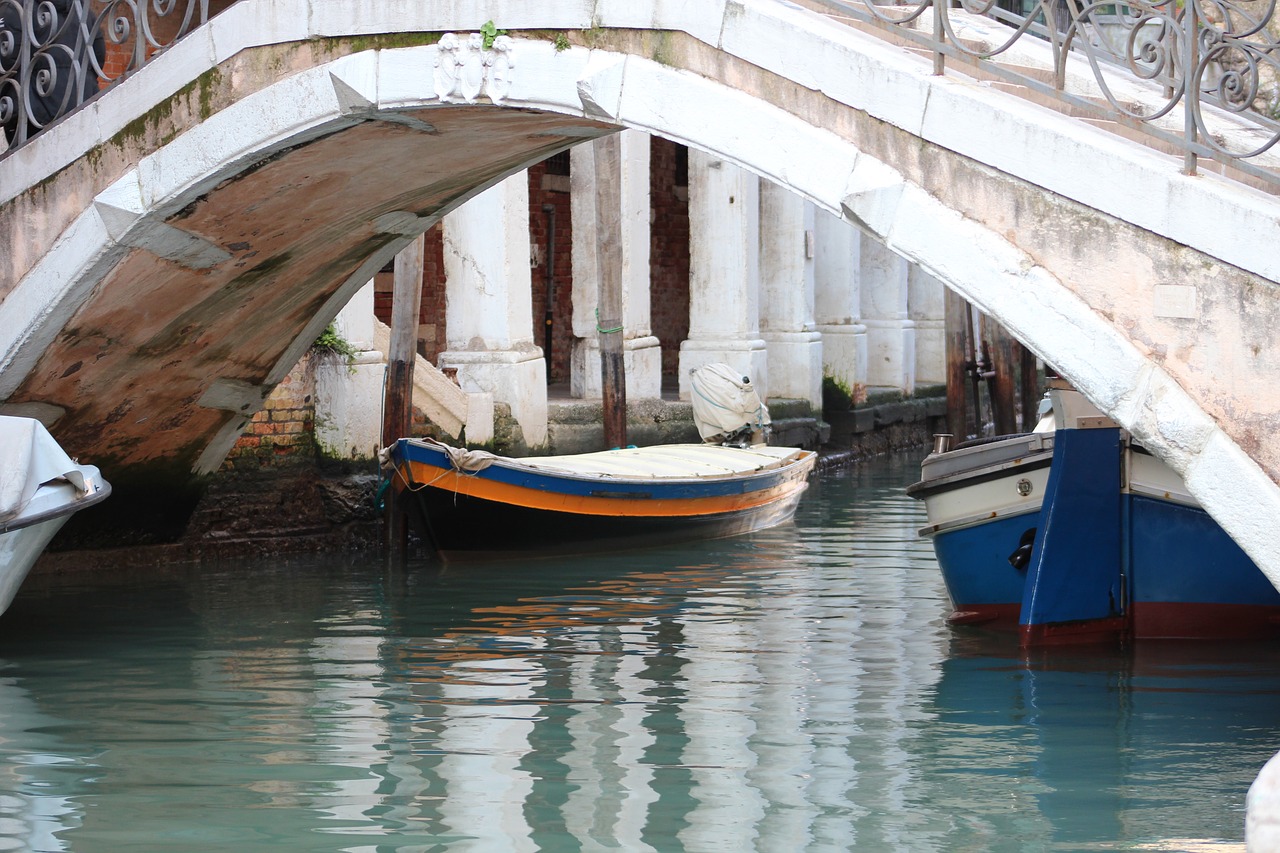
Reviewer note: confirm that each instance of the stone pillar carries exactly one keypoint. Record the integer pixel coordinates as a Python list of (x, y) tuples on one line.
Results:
[(926, 307), (348, 402), (489, 312), (642, 352), (891, 335), (724, 230), (792, 342), (838, 305)]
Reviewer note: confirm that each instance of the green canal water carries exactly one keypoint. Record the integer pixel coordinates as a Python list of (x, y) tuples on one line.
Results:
[(793, 690)]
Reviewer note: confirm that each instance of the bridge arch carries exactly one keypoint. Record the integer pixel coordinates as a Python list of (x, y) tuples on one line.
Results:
[(164, 280)]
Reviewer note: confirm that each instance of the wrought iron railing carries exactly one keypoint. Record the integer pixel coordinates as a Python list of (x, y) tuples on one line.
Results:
[(56, 54), (1133, 62)]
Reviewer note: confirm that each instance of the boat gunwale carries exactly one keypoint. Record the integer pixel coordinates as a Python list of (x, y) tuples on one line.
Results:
[(799, 457), (975, 476), (82, 501), (976, 520)]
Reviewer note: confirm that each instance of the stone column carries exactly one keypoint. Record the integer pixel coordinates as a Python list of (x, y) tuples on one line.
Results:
[(837, 305), (891, 335), (926, 307), (642, 352), (489, 312), (792, 342), (348, 402), (724, 230)]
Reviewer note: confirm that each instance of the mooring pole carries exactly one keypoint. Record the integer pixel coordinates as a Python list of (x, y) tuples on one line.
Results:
[(1002, 346), (956, 374), (397, 405), (974, 368), (1029, 389), (607, 157)]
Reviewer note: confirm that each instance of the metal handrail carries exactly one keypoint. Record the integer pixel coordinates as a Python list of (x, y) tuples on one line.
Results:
[(54, 53), (1134, 56)]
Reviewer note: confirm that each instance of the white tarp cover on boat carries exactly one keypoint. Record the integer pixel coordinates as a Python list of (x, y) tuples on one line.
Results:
[(29, 457), (725, 403), (663, 461)]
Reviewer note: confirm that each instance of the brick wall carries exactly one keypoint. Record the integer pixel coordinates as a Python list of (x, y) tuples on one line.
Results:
[(282, 433), (432, 333), (549, 186), (669, 249)]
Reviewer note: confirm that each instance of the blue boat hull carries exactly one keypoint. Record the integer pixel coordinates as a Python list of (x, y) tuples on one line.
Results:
[(1190, 580), (1106, 561)]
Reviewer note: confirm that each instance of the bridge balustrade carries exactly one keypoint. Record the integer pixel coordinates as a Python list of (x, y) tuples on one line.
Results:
[(57, 54), (1211, 67)]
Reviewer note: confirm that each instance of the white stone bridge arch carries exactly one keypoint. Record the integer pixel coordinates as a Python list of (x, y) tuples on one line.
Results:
[(174, 246)]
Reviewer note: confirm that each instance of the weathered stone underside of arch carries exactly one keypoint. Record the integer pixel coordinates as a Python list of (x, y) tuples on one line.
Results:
[(166, 279)]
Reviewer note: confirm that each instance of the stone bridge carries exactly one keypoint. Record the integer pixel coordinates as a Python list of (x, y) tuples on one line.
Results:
[(172, 248)]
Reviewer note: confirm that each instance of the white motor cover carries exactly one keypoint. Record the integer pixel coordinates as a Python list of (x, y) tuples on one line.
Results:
[(29, 457), (725, 403)]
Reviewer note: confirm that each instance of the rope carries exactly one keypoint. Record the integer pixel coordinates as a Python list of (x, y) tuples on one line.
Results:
[(605, 331)]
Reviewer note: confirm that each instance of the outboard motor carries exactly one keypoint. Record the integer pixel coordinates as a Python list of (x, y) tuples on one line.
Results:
[(726, 408)]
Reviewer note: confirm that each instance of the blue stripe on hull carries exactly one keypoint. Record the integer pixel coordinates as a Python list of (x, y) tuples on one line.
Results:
[(627, 487)]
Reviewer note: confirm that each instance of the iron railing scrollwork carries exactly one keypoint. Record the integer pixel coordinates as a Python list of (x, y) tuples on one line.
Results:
[(1213, 63), (1141, 58), (55, 54)]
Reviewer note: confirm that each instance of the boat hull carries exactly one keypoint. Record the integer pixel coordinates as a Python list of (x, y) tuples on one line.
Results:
[(23, 536), (19, 550), (513, 508), (1164, 569)]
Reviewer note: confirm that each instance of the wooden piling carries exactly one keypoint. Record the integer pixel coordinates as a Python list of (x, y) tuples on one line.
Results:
[(607, 155), (1029, 389), (1004, 361), (956, 341), (397, 406)]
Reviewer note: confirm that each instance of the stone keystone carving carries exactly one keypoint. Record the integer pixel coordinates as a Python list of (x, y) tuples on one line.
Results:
[(464, 69)]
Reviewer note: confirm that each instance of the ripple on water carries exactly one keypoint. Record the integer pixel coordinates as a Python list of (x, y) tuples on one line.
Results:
[(796, 689)]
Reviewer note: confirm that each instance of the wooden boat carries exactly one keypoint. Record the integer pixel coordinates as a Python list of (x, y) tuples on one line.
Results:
[(473, 503), (1074, 532), (40, 488)]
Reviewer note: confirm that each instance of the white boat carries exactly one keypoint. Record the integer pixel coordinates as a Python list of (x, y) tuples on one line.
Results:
[(40, 487)]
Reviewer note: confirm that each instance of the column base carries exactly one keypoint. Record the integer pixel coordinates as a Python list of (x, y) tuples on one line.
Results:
[(891, 354), (642, 361), (795, 366), (844, 358), (750, 357), (348, 406), (517, 378)]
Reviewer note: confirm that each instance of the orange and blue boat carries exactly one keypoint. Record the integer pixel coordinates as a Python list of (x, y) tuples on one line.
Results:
[(469, 503)]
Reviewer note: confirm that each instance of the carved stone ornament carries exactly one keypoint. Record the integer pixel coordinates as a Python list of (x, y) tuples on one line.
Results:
[(465, 69)]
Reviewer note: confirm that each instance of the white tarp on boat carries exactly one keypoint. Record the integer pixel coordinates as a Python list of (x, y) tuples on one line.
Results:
[(658, 462), (29, 457), (726, 406)]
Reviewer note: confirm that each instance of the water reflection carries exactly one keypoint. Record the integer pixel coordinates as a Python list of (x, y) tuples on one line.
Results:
[(796, 689)]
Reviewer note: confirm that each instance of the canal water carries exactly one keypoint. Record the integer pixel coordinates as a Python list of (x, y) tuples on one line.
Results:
[(796, 690)]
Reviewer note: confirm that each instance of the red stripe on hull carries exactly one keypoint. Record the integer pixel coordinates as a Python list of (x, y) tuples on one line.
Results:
[(1172, 620), (1084, 632), (986, 615)]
